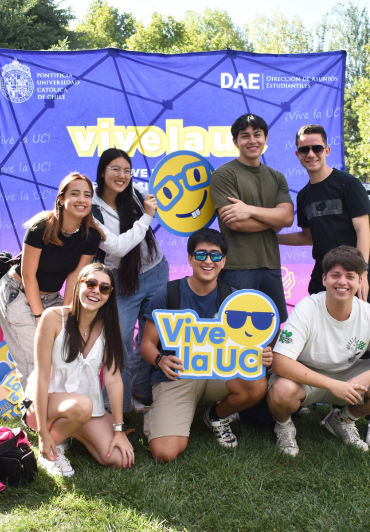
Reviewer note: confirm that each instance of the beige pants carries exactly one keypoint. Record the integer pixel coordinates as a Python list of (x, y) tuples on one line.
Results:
[(320, 395), (18, 323), (174, 405)]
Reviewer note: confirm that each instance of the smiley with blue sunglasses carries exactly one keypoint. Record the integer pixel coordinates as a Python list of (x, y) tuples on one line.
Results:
[(180, 183), (251, 320)]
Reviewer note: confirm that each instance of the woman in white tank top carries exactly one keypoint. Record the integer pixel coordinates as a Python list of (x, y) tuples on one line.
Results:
[(64, 389)]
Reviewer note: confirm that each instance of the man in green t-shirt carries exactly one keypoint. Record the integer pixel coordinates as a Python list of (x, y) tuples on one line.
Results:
[(253, 203)]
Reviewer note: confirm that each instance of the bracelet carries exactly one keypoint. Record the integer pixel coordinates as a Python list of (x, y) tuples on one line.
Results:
[(38, 315)]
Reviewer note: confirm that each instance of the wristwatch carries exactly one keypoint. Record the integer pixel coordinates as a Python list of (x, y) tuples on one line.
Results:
[(120, 427), (158, 358)]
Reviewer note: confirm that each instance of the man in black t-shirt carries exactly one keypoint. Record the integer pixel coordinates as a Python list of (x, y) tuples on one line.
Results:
[(332, 209)]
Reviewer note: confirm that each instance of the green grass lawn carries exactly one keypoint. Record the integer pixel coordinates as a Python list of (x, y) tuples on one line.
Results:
[(250, 488)]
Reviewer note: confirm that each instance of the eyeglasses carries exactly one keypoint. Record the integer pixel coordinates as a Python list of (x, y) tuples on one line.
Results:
[(118, 171), (169, 191), (305, 150), (260, 320), (215, 256), (105, 288)]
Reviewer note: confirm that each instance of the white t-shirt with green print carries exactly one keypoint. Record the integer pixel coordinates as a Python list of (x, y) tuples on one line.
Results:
[(317, 340)]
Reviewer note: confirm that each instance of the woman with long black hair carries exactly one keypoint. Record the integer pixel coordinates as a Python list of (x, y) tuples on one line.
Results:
[(63, 397), (126, 211), (56, 246)]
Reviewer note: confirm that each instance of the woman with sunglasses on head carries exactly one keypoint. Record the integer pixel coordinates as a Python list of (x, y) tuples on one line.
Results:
[(63, 395), (126, 211), (56, 246)]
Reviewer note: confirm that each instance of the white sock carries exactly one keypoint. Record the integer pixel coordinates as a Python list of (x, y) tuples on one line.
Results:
[(345, 414), (284, 424)]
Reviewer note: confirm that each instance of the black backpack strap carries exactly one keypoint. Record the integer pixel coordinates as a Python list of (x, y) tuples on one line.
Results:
[(173, 295), (224, 290), (96, 212), (8, 445)]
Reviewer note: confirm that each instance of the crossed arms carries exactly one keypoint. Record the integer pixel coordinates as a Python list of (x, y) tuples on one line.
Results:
[(251, 219)]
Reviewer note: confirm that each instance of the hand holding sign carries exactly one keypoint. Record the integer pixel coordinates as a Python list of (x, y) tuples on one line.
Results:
[(181, 185), (229, 346)]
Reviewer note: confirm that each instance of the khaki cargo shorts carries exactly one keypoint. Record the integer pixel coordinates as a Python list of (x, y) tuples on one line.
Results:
[(319, 395), (174, 405)]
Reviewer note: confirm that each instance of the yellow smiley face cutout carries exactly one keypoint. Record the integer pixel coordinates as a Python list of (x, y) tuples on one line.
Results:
[(251, 319), (181, 185)]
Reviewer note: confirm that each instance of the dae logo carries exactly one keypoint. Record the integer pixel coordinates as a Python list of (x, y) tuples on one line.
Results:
[(180, 182), (227, 347), (16, 82)]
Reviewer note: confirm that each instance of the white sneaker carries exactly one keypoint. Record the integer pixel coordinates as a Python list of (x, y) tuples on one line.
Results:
[(66, 444), (221, 430), (61, 467), (285, 439), (345, 430), (368, 433), (139, 407)]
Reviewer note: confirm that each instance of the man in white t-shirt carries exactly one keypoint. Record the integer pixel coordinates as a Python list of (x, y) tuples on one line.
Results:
[(317, 358)]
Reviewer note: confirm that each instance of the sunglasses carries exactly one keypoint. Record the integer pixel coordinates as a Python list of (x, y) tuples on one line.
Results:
[(215, 256), (105, 288), (305, 150), (260, 320)]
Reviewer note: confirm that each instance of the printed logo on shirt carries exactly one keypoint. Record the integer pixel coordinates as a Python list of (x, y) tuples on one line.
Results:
[(286, 337), (353, 346), (323, 208)]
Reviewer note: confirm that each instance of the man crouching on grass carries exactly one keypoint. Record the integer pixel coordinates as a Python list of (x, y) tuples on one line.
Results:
[(317, 358), (167, 423)]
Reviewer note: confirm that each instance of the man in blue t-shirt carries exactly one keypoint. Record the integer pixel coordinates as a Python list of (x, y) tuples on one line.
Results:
[(167, 423)]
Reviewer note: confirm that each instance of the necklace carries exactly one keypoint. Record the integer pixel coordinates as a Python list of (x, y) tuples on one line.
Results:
[(70, 232), (85, 333)]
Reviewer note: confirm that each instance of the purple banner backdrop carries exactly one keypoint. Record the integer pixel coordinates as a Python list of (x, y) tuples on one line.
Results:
[(60, 110)]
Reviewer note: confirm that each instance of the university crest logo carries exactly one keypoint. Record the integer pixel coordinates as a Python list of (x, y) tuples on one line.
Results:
[(16, 82)]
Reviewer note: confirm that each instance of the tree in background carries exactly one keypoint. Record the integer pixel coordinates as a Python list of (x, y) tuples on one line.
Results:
[(33, 24), (104, 26), (162, 34), (359, 151), (276, 35), (347, 27), (213, 29)]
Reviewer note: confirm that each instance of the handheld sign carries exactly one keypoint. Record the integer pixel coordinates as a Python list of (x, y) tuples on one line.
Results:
[(226, 347), (181, 185)]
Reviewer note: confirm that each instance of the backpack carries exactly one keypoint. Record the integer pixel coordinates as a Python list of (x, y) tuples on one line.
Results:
[(174, 300), (17, 460)]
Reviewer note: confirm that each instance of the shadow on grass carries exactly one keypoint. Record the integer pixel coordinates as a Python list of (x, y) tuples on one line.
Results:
[(208, 488)]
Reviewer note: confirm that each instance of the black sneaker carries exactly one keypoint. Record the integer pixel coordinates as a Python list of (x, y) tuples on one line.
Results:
[(221, 429)]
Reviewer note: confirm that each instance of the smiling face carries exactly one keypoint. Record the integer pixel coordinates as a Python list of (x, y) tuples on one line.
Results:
[(76, 200), (251, 144), (181, 185), (313, 162), (92, 299), (206, 271), (341, 285), (117, 175), (250, 319)]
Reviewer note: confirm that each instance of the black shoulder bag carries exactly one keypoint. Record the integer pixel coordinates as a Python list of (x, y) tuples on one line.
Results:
[(17, 464)]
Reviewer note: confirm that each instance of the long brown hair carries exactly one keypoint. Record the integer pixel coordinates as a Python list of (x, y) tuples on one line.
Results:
[(129, 212), (53, 220), (107, 315)]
